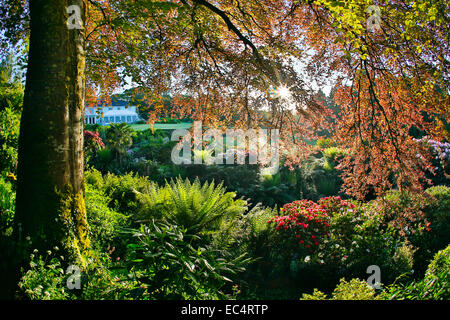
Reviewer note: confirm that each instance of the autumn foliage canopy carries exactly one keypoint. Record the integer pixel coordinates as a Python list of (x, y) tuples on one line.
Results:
[(218, 59)]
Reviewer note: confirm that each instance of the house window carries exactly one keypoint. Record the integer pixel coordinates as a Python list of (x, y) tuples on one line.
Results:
[(134, 118), (123, 118), (128, 118), (117, 119)]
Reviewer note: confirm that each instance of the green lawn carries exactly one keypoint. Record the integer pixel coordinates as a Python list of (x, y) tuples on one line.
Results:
[(162, 126)]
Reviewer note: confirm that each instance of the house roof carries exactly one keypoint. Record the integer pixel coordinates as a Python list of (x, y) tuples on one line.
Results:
[(111, 110)]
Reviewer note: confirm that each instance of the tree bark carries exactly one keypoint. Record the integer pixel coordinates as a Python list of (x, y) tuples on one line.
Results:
[(50, 197)]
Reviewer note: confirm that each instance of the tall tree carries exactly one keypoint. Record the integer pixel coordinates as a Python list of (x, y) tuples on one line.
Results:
[(50, 198)]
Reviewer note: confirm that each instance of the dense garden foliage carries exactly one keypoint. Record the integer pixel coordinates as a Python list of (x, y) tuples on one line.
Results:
[(358, 208), (230, 232)]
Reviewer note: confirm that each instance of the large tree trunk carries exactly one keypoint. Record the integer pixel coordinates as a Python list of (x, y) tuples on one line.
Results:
[(50, 197)]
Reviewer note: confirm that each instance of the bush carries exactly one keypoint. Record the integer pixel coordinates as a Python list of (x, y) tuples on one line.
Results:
[(264, 277), (104, 160), (355, 289), (306, 221), (9, 139), (320, 178), (333, 155), (122, 191), (437, 234), (168, 266), (45, 280), (401, 210), (7, 205), (324, 143), (358, 240), (156, 148), (434, 286), (422, 219), (94, 178), (104, 222), (48, 276), (335, 238), (143, 136)]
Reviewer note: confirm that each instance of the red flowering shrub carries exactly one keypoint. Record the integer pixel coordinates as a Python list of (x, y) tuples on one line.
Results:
[(92, 143), (305, 220), (308, 222), (92, 139), (334, 205)]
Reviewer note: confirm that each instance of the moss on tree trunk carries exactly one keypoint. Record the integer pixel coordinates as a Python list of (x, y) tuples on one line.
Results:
[(50, 197)]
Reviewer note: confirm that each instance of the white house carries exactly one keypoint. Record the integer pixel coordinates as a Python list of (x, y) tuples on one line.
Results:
[(118, 112)]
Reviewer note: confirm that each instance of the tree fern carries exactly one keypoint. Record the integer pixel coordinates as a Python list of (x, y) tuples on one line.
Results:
[(197, 208)]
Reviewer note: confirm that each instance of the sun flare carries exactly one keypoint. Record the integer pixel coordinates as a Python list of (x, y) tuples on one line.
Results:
[(284, 92)]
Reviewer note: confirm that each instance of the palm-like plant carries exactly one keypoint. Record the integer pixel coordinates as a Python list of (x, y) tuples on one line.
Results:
[(120, 138), (197, 208)]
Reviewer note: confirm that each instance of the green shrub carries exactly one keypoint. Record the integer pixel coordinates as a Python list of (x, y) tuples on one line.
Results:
[(358, 240), (275, 190), (320, 178), (157, 172), (104, 222), (9, 139), (11, 100), (422, 219), (243, 179), (104, 159), (168, 266), (122, 191), (94, 178), (7, 205), (147, 135), (333, 154), (436, 235), (434, 286), (237, 233), (45, 279), (48, 275), (316, 295), (335, 238), (253, 235), (156, 148), (324, 143), (401, 210), (355, 289)]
